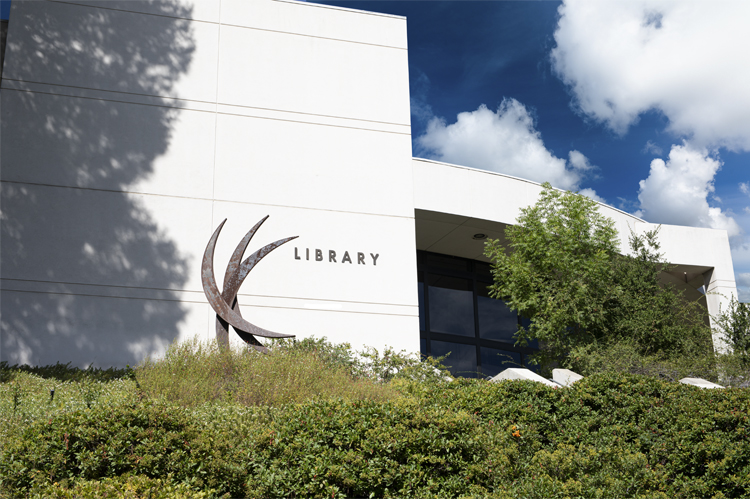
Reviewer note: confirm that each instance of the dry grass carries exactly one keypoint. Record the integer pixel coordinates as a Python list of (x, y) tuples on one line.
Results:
[(194, 372)]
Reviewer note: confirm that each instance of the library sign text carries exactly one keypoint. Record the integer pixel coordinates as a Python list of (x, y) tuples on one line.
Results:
[(332, 256)]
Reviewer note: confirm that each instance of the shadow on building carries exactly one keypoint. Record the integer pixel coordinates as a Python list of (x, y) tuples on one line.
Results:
[(70, 229)]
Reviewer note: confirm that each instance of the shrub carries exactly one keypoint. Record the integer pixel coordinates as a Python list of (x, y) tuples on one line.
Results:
[(625, 356), (369, 449), (193, 373), (125, 487), (609, 435)]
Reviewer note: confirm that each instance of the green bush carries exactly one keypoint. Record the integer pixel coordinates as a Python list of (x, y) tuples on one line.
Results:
[(625, 356), (125, 487), (364, 448), (609, 435), (696, 442)]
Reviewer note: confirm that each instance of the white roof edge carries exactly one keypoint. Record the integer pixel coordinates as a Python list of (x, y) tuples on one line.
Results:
[(346, 9), (489, 172)]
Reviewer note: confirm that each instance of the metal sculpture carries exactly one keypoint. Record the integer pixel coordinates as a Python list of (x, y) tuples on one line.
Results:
[(225, 303)]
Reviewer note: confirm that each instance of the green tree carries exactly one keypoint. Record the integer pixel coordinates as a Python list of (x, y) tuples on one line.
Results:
[(585, 301), (557, 271), (734, 324), (655, 317)]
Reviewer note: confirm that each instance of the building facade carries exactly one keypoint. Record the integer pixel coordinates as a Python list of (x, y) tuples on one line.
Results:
[(131, 129)]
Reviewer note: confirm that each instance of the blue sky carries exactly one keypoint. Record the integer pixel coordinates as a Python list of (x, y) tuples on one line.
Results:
[(644, 104)]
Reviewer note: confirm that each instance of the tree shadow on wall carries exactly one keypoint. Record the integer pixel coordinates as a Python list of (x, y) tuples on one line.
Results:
[(63, 248)]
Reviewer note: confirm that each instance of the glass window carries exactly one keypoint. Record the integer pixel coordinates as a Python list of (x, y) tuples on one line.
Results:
[(495, 361), (483, 270), (456, 314), (451, 304), (422, 325), (496, 321), (447, 262), (462, 360)]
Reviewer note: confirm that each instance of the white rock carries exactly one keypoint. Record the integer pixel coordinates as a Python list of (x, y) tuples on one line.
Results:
[(565, 377), (520, 373), (700, 382)]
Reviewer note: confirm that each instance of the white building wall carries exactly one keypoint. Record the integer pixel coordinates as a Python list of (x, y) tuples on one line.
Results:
[(131, 129)]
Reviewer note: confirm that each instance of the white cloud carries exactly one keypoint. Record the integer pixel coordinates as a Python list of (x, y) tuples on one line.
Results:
[(505, 141), (579, 162), (682, 58), (745, 188), (676, 191), (686, 59), (743, 279), (420, 109), (591, 193), (743, 286), (652, 148)]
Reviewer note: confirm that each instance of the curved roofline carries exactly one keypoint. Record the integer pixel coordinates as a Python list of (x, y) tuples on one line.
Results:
[(346, 9), (488, 172)]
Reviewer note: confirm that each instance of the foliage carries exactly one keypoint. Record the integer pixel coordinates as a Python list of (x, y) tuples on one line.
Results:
[(612, 435), (617, 435), (369, 363), (558, 270), (64, 372), (154, 440), (368, 449), (193, 372), (734, 326), (394, 365), (655, 318), (124, 487), (585, 301), (626, 356)]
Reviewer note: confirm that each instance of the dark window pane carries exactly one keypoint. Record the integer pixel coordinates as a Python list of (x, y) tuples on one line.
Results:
[(495, 361), (496, 321), (423, 346), (451, 305), (447, 262), (462, 360), (483, 269), (422, 325)]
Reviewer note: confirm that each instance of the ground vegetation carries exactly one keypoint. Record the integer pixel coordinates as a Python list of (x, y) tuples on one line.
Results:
[(392, 428)]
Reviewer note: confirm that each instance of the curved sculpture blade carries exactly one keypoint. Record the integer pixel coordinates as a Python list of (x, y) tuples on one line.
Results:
[(234, 262), (222, 326), (232, 287), (216, 299)]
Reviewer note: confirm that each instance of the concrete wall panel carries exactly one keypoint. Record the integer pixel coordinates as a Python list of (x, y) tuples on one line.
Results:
[(106, 49), (322, 21), (199, 10), (87, 329), (390, 281), (99, 237), (318, 76), (101, 144), (358, 329), (294, 164)]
